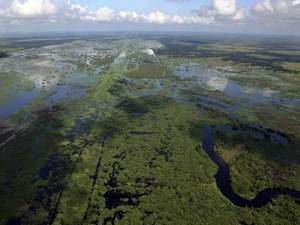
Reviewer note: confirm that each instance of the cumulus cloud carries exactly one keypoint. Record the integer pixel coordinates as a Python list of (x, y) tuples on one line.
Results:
[(215, 13), (264, 6), (50, 10), (77, 8), (225, 7), (274, 7), (32, 8), (157, 17), (239, 15), (104, 14), (130, 16), (277, 11), (223, 11)]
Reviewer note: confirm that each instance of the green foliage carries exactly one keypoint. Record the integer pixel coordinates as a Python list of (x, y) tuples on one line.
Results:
[(128, 154), (149, 70), (258, 164)]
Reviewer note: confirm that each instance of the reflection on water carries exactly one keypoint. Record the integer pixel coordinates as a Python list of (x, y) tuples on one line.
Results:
[(66, 93), (158, 85), (217, 80), (65, 72), (217, 83), (19, 101)]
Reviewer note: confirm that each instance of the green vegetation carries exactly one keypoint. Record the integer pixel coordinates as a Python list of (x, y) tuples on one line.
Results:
[(10, 84), (4, 50), (148, 71), (129, 150), (229, 47), (256, 164), (261, 56)]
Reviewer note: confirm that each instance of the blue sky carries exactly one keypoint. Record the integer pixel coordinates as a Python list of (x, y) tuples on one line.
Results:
[(146, 6), (271, 16)]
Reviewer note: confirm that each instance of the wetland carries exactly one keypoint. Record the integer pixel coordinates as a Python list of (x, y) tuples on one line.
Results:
[(150, 129)]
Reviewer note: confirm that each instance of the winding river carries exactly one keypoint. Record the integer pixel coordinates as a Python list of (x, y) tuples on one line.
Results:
[(223, 179)]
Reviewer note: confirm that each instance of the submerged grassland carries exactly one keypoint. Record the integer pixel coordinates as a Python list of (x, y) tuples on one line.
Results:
[(127, 150)]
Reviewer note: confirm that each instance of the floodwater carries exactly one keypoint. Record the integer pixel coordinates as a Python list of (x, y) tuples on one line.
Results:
[(58, 73), (18, 102), (54, 73), (216, 89), (216, 80), (63, 72)]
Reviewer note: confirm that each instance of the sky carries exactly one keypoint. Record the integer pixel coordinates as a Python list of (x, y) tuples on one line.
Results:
[(237, 16)]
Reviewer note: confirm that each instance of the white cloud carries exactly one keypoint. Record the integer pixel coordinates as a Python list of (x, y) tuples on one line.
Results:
[(157, 17), (264, 6), (271, 7), (268, 13), (177, 19), (130, 16), (277, 10), (239, 15), (225, 7), (102, 14), (223, 11), (296, 2), (32, 8), (161, 18), (105, 14), (77, 8)]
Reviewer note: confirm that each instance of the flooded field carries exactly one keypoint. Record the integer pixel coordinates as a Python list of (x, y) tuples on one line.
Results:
[(129, 129)]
